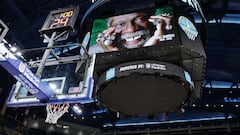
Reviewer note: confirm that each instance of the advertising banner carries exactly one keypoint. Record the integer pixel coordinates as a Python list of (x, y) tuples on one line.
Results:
[(23, 74)]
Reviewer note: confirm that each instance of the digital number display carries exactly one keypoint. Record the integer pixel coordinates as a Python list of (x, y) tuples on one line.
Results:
[(60, 20)]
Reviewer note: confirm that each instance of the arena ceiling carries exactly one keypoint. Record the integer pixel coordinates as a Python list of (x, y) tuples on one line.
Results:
[(222, 44)]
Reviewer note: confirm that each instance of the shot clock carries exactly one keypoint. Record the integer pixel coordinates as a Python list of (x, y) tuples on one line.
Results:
[(60, 20)]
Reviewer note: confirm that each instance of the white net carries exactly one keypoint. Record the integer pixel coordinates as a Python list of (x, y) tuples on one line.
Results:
[(55, 111)]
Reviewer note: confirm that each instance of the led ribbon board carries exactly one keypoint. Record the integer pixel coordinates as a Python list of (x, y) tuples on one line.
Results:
[(144, 87), (23, 74), (60, 20)]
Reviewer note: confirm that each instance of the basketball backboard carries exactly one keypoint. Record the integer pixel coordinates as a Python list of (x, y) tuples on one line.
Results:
[(67, 86)]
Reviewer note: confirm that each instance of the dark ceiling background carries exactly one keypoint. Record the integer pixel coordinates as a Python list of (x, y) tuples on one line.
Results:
[(25, 17)]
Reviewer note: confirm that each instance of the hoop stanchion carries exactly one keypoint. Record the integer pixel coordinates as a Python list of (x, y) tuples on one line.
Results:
[(55, 111)]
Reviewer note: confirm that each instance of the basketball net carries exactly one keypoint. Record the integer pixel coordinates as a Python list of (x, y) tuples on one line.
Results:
[(55, 111)]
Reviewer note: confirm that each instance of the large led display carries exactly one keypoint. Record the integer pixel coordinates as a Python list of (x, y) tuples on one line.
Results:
[(133, 30)]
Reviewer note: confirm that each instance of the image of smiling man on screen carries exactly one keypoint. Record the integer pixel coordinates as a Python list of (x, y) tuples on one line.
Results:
[(132, 30)]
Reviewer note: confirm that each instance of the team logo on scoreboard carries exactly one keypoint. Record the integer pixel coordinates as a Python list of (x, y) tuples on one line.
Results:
[(188, 27)]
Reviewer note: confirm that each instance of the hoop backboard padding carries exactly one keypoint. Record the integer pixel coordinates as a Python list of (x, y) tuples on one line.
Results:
[(20, 71), (144, 87), (55, 111), (71, 88), (60, 20), (3, 30)]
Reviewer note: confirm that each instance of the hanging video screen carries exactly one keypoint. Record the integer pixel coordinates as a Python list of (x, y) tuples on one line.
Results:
[(133, 30)]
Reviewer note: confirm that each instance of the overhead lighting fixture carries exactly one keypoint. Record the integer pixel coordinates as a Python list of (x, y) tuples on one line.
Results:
[(19, 54), (77, 109), (13, 49)]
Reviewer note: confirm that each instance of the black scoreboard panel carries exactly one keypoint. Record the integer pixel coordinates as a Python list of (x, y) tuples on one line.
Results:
[(180, 46), (60, 20)]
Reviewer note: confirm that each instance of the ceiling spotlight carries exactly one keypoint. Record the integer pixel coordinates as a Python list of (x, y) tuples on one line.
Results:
[(77, 109), (93, 1), (18, 53), (182, 110), (65, 126), (13, 49)]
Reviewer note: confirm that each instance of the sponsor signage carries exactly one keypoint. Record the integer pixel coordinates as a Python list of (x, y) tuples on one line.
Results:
[(142, 67), (188, 27), (23, 74)]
